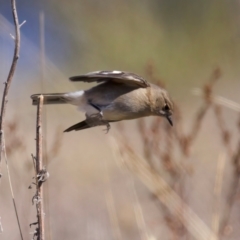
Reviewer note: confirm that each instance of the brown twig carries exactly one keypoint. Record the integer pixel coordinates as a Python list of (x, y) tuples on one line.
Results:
[(233, 189), (10, 75), (3, 152), (40, 232), (207, 89), (225, 133)]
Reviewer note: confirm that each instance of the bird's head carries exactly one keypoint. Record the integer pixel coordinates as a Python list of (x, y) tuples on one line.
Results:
[(163, 105)]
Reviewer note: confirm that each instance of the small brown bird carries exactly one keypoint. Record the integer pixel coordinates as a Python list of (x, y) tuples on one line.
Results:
[(120, 96)]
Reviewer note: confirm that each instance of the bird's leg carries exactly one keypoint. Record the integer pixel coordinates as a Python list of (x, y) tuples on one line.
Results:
[(108, 127), (96, 115), (96, 121), (96, 118)]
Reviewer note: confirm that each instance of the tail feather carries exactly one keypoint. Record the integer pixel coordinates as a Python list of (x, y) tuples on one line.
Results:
[(83, 125), (79, 126), (49, 98)]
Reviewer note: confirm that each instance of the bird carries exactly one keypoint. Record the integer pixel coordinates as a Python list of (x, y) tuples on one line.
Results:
[(118, 96)]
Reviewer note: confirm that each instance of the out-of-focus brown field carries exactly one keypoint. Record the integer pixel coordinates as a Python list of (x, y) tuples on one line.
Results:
[(144, 179)]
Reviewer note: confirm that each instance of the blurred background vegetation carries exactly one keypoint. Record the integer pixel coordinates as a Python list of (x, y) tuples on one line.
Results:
[(183, 41)]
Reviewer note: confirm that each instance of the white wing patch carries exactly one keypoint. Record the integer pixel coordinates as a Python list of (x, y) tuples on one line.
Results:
[(116, 72), (111, 72), (130, 77), (104, 72)]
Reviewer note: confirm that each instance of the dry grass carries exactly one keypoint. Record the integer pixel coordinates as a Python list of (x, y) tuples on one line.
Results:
[(171, 148), (164, 166)]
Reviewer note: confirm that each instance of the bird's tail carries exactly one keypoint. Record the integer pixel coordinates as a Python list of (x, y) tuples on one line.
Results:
[(84, 125), (79, 126), (49, 98)]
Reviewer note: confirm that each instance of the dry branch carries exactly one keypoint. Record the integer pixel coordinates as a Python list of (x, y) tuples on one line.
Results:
[(10, 75), (41, 175), (3, 152)]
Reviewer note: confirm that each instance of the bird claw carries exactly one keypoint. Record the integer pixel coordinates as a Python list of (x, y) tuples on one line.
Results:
[(108, 127), (96, 119)]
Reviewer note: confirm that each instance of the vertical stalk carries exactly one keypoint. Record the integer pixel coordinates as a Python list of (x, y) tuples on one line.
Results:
[(39, 167)]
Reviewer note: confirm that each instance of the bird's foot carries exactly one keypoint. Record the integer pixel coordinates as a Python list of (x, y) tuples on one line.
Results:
[(108, 127), (96, 120)]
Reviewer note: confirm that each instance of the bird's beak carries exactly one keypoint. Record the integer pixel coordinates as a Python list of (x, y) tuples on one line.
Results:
[(169, 119)]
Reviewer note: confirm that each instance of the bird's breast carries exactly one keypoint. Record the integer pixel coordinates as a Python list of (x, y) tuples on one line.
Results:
[(127, 106), (120, 102)]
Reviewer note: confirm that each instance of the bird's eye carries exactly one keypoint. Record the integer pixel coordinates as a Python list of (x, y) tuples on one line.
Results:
[(166, 108)]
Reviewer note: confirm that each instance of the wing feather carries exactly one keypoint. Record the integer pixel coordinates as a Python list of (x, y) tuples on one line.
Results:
[(115, 76)]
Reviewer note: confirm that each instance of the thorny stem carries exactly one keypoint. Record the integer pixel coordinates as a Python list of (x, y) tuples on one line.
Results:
[(39, 166)]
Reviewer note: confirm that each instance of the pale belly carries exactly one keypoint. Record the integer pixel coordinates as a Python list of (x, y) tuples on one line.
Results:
[(117, 113)]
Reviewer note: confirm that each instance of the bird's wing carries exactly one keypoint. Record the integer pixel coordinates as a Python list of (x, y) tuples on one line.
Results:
[(114, 76)]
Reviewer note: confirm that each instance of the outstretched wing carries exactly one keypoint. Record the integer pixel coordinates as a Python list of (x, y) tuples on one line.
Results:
[(115, 76)]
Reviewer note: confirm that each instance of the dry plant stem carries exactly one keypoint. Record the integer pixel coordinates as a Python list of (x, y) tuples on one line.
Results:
[(225, 134), (233, 192), (139, 214), (163, 191), (112, 211), (187, 140), (217, 193), (113, 215), (11, 73), (11, 188), (198, 121), (228, 207), (235, 158), (4, 101), (46, 153), (39, 166)]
